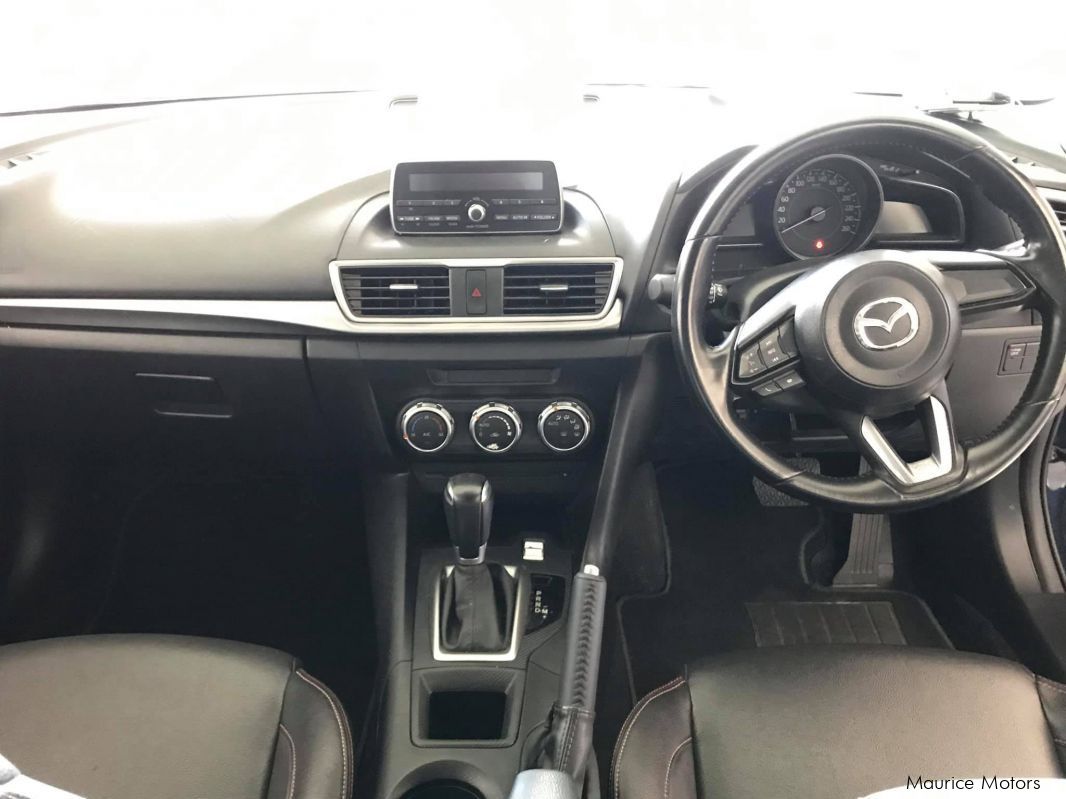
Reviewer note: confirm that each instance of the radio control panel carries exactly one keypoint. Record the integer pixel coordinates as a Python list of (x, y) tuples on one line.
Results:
[(476, 197)]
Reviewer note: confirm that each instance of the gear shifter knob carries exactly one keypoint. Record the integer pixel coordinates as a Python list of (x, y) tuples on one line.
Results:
[(468, 509)]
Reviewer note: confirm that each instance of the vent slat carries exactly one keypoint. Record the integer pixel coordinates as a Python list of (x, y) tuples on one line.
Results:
[(556, 289), (397, 291)]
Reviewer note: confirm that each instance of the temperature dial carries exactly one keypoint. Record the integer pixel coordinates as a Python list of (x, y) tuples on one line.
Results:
[(427, 427), (564, 426), (495, 427)]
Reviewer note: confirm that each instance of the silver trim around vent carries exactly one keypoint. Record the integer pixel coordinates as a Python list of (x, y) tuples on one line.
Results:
[(608, 318), (1056, 198)]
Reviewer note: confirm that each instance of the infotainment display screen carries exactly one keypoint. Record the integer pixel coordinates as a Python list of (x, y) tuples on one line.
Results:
[(476, 181)]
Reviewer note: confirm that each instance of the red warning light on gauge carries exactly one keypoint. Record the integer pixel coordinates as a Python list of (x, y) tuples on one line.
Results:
[(819, 244)]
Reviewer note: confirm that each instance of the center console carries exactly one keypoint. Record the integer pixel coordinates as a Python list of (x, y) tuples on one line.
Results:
[(470, 710), (482, 393)]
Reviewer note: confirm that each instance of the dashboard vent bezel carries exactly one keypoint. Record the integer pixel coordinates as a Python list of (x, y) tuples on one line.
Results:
[(394, 292), (1056, 198), (607, 318), (557, 289)]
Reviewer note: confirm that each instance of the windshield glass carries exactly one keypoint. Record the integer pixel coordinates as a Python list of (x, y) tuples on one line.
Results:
[(77, 52)]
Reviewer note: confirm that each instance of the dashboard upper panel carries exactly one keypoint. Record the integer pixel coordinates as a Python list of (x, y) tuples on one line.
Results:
[(250, 199), (223, 215)]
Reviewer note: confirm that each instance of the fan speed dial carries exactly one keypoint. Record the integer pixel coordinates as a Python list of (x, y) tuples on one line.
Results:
[(564, 426), (495, 427)]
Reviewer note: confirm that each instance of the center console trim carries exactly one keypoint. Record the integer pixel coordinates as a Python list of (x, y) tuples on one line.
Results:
[(521, 598)]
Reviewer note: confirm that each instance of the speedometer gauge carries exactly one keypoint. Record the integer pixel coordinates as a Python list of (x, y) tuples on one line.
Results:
[(828, 206)]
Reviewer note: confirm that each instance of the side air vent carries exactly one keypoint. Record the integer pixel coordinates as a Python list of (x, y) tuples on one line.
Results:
[(397, 290), (1059, 207), (556, 289)]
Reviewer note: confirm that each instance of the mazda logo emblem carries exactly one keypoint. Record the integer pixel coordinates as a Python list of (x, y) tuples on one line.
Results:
[(886, 324)]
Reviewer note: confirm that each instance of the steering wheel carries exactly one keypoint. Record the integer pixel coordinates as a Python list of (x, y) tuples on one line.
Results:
[(874, 333)]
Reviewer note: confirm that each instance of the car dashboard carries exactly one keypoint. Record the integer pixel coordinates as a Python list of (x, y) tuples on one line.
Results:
[(244, 266)]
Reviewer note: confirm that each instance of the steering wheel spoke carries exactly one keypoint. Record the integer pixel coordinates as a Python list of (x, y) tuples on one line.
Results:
[(983, 280), (944, 458)]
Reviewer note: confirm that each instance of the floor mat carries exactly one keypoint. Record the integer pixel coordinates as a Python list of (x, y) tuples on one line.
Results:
[(735, 566), (274, 561), (834, 622)]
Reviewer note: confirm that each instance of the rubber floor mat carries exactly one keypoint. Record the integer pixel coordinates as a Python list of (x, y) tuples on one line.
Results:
[(736, 566), (842, 622)]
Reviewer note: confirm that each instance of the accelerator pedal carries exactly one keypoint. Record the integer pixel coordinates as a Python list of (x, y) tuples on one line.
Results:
[(869, 563)]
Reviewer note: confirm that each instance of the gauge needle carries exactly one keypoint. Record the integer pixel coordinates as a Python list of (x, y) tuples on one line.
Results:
[(817, 216)]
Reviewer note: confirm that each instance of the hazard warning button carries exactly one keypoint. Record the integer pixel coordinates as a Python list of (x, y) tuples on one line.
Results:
[(476, 303)]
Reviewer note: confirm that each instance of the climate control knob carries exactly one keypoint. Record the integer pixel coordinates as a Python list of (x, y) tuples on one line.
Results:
[(495, 427), (564, 426), (427, 427)]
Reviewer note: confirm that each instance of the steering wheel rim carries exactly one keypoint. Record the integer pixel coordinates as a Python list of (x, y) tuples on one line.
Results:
[(711, 368)]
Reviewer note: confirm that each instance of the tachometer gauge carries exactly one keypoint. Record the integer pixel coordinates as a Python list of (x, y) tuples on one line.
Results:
[(828, 206)]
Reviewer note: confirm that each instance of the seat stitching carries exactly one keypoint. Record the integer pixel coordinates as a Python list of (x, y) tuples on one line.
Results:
[(570, 733), (292, 762), (631, 721), (670, 766), (340, 729), (1051, 685)]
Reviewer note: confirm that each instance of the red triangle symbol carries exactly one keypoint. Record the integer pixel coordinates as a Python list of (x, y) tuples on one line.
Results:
[(476, 293)]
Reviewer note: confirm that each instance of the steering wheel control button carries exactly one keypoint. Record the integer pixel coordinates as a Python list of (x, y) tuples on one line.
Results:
[(786, 337), (495, 427), (751, 364), (770, 350), (767, 389), (427, 427), (789, 380), (564, 426)]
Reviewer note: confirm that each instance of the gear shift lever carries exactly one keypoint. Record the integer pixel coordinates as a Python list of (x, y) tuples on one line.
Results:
[(477, 599), (468, 508)]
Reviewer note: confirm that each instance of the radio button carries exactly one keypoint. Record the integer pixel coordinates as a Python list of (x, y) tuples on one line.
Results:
[(451, 218), (476, 212), (451, 203), (519, 217), (545, 217)]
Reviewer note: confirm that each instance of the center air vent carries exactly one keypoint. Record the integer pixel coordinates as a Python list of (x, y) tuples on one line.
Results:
[(556, 289), (397, 290)]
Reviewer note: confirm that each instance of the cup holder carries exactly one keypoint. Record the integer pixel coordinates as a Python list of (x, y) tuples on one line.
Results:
[(443, 789)]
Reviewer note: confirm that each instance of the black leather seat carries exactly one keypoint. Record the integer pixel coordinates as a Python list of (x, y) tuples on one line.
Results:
[(169, 717), (838, 722)]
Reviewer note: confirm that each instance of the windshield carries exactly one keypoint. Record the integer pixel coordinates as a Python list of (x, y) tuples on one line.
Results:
[(78, 52)]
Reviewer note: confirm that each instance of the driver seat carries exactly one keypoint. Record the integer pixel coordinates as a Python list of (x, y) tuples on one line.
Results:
[(838, 721)]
